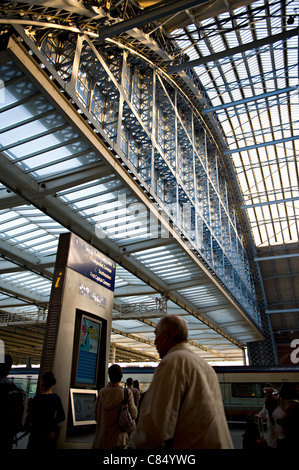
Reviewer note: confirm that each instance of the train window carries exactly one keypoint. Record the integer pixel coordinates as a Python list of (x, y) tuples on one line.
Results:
[(32, 386), (28, 384), (247, 390), (20, 383)]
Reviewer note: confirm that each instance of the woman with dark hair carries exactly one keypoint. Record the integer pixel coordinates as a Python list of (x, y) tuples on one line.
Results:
[(45, 414), (109, 434)]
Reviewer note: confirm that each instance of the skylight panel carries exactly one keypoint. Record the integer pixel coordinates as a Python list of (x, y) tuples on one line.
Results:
[(236, 95), (112, 198), (7, 215), (284, 172), (258, 234), (202, 46), (232, 40), (18, 277), (214, 97), (278, 58), (293, 175), (14, 91), (33, 128), (18, 114), (276, 178), (217, 77), (62, 166), (46, 248), (120, 283), (62, 144), (231, 126), (271, 233), (33, 232), (252, 179), (40, 240), (230, 76), (84, 190), (11, 225), (217, 44), (204, 78), (242, 74), (267, 63), (285, 211), (29, 281), (281, 233), (261, 28), (253, 67), (292, 50), (17, 231), (245, 35)]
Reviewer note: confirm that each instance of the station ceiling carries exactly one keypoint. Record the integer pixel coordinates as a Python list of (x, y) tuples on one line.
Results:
[(245, 55)]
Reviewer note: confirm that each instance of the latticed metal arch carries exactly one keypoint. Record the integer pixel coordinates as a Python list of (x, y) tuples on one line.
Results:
[(166, 146)]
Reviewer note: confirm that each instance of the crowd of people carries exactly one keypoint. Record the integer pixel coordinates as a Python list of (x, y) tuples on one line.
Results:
[(182, 408)]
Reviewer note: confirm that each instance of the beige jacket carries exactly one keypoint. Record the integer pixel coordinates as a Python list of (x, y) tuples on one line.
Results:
[(108, 433), (182, 408)]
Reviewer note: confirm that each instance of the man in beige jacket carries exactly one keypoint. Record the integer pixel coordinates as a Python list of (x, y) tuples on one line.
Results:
[(182, 408)]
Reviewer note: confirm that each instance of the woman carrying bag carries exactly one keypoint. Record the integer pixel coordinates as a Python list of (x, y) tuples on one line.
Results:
[(109, 434)]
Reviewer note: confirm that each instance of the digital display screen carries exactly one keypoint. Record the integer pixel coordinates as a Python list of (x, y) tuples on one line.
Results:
[(83, 404), (90, 334)]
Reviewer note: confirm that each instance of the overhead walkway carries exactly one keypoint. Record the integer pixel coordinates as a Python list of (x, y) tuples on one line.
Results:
[(128, 165)]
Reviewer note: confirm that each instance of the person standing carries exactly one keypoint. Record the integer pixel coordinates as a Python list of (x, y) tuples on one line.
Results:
[(45, 413), (109, 434), (135, 391), (13, 406), (266, 414), (182, 409)]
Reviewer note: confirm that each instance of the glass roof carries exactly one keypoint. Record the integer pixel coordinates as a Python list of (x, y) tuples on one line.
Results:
[(254, 93)]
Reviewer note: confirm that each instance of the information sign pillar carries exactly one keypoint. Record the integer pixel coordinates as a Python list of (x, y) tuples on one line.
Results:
[(77, 338)]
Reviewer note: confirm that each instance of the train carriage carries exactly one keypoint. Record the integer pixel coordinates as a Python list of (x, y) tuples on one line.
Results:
[(241, 386)]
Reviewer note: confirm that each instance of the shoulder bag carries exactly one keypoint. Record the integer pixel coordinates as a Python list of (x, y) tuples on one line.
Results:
[(126, 421)]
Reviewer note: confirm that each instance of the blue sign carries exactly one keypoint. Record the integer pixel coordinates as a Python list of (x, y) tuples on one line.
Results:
[(87, 260)]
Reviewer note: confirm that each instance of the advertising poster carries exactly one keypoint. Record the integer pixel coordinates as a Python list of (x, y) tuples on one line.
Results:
[(88, 351)]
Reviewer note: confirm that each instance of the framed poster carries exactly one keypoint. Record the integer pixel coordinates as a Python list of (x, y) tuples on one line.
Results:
[(87, 349)]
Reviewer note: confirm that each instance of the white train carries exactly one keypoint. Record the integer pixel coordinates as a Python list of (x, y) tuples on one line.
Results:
[(241, 386)]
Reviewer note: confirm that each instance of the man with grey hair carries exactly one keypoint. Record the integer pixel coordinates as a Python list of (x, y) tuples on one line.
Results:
[(182, 408)]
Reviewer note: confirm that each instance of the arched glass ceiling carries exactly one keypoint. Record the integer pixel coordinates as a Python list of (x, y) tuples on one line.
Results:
[(247, 61)]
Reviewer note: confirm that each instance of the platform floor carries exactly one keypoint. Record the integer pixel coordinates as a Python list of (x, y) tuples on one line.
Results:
[(236, 435)]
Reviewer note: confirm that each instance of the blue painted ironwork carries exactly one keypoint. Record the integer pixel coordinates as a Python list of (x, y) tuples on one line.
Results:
[(149, 124)]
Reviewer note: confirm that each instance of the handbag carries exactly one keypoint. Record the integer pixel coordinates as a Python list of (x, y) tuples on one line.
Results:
[(126, 422)]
